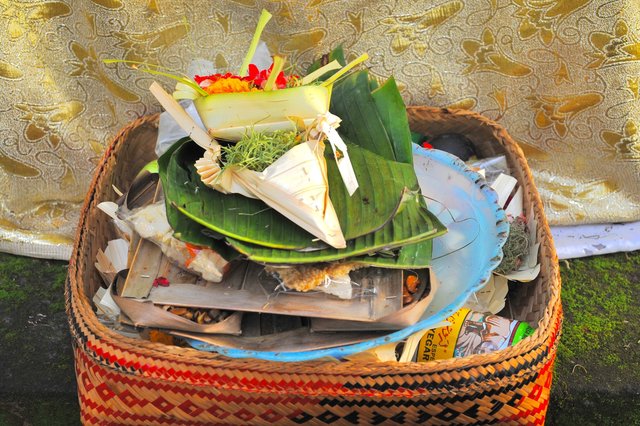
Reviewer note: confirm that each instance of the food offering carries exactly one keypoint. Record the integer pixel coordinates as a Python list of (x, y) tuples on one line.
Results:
[(293, 201)]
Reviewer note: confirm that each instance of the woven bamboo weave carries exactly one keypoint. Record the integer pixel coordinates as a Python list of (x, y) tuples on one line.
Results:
[(134, 382)]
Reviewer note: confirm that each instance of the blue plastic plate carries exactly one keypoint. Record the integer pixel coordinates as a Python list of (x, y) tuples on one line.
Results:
[(463, 258)]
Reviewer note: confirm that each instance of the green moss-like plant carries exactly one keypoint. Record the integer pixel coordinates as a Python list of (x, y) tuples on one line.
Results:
[(516, 246), (257, 151)]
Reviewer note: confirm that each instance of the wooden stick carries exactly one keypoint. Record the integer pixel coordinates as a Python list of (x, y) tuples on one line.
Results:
[(184, 120), (144, 266)]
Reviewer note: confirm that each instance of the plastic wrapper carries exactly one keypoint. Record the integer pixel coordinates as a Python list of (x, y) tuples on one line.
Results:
[(491, 167), (150, 222)]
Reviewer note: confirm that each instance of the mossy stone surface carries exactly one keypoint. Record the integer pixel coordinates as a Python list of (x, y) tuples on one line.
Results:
[(39, 410), (36, 359), (597, 375)]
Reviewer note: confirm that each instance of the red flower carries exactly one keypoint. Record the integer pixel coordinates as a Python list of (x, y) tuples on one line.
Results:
[(213, 78), (427, 145), (259, 77), (256, 76), (161, 281)]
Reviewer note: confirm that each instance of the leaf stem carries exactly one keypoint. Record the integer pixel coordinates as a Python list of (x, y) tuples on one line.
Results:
[(345, 69), (148, 69), (265, 16), (278, 64)]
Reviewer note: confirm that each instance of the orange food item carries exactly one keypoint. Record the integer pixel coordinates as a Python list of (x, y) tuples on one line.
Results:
[(193, 252), (160, 337), (411, 283)]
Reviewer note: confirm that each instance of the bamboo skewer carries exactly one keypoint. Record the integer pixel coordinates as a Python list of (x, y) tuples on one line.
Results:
[(184, 120)]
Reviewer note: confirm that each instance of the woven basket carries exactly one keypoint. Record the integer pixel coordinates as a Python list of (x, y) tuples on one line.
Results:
[(126, 381)]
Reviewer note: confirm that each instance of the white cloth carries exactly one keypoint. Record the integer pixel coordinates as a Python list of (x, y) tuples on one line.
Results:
[(590, 240)]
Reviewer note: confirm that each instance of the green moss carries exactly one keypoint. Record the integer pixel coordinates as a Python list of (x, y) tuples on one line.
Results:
[(600, 297), (10, 336), (34, 333), (57, 306), (11, 292), (39, 411), (598, 366), (257, 150), (23, 278)]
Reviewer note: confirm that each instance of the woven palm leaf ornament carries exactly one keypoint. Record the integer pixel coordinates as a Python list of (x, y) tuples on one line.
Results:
[(329, 151), (295, 184)]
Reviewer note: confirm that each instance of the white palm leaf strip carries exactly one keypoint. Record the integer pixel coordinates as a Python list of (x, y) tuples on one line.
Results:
[(296, 186), (211, 174), (326, 125), (184, 120)]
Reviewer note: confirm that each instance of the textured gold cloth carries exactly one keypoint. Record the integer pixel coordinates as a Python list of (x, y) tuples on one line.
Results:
[(562, 76)]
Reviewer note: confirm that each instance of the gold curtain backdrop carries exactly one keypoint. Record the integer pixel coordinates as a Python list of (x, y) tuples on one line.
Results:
[(562, 76)]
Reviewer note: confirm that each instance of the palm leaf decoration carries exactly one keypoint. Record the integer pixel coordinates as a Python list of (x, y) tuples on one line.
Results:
[(385, 222)]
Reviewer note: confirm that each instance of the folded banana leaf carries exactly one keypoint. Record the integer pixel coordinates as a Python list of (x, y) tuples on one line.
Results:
[(252, 221), (414, 224), (393, 114), (410, 256), (376, 219), (351, 100), (380, 195)]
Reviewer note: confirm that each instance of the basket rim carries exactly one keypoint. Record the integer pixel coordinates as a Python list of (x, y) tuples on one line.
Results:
[(84, 321)]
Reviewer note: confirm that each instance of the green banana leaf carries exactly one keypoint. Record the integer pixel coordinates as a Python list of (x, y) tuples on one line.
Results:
[(369, 208), (254, 222), (373, 84), (393, 113), (185, 229), (413, 224), (351, 100), (336, 54), (191, 232), (410, 256), (388, 101)]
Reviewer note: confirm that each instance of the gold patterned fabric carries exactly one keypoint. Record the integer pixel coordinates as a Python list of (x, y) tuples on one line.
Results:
[(562, 76)]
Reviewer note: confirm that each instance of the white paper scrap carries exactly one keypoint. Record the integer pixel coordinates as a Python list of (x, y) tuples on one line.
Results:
[(491, 298), (504, 186), (117, 252), (524, 275), (105, 303), (514, 208), (589, 240)]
